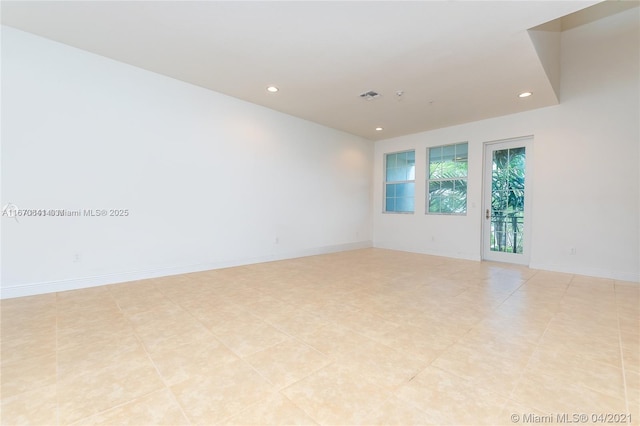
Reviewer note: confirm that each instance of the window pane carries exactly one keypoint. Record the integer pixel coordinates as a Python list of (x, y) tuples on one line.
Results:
[(401, 159), (435, 154), (499, 201), (405, 189), (434, 204), (460, 186), (458, 203), (462, 169), (390, 205), (404, 204), (448, 153), (517, 155), (391, 190), (461, 152), (396, 174), (391, 161), (447, 183), (400, 175), (446, 186), (435, 170), (515, 202)]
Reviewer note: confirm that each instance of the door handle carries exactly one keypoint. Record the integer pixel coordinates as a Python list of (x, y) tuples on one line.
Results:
[(487, 215)]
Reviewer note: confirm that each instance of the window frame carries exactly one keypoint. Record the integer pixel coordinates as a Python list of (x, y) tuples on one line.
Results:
[(428, 180), (385, 182)]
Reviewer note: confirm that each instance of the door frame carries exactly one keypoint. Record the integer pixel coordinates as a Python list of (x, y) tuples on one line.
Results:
[(487, 162)]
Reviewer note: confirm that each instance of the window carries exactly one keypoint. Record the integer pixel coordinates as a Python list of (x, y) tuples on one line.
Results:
[(399, 187), (447, 180)]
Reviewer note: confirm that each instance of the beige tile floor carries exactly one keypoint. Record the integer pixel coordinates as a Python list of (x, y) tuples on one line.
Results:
[(356, 338)]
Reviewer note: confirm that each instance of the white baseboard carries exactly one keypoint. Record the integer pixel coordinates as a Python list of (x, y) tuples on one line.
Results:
[(32, 289), (590, 272), (452, 255)]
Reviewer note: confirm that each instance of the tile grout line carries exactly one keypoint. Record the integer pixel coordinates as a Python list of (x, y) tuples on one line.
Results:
[(122, 404), (622, 364), (144, 348), (555, 310), (537, 344), (430, 364), (240, 358)]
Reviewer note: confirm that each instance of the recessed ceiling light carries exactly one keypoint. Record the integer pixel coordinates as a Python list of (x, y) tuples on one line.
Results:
[(272, 89), (378, 129), (525, 94)]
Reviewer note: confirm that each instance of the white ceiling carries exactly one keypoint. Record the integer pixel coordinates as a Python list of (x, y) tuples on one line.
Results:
[(455, 61)]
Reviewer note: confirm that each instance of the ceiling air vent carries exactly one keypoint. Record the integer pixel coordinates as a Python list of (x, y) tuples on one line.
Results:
[(370, 95)]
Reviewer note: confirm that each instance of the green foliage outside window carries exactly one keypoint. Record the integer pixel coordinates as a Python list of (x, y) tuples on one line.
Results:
[(447, 180)]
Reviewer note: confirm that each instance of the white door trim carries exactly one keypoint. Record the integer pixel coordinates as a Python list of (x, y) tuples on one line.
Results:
[(488, 148)]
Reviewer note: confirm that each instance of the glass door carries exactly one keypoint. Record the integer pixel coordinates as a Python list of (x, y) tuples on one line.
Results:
[(506, 206)]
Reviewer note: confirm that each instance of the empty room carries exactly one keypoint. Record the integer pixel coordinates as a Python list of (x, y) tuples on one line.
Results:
[(320, 213)]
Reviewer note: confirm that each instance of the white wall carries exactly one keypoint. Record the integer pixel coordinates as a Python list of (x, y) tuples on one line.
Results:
[(209, 180), (586, 189)]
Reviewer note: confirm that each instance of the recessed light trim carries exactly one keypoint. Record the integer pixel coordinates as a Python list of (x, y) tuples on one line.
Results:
[(272, 89), (525, 94)]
